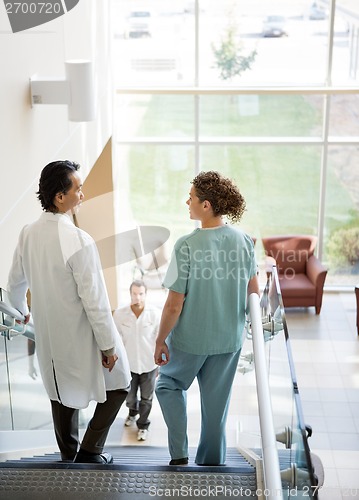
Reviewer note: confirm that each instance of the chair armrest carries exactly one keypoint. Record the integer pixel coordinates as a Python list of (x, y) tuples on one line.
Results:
[(315, 270)]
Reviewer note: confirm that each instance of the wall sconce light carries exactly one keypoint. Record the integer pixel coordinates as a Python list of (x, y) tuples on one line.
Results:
[(76, 90)]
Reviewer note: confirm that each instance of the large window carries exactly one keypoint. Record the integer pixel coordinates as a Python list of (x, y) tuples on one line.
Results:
[(265, 92)]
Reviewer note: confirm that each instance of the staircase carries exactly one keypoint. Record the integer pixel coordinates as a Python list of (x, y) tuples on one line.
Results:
[(142, 472), (137, 473)]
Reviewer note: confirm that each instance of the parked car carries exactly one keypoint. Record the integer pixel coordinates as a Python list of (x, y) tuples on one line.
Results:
[(274, 26), (317, 13), (139, 24)]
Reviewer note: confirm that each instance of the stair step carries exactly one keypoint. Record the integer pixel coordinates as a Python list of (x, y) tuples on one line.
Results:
[(138, 456), (138, 473)]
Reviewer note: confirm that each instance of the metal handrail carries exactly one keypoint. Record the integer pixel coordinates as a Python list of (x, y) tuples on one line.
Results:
[(272, 477), (11, 311), (13, 323)]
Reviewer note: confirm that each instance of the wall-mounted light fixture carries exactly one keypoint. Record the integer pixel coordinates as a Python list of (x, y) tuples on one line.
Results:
[(76, 90)]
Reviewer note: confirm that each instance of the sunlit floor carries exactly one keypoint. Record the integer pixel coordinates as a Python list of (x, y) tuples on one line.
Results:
[(326, 354)]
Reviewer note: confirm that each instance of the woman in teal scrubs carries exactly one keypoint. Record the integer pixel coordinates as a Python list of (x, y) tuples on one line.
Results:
[(212, 270)]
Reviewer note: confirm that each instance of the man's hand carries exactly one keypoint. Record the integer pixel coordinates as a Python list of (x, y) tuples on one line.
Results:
[(162, 355), (26, 320), (109, 361)]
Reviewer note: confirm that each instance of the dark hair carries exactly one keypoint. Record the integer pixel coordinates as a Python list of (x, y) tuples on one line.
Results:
[(55, 178), (222, 193), (138, 283)]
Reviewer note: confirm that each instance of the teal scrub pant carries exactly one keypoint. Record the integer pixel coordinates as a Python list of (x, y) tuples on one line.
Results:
[(215, 374)]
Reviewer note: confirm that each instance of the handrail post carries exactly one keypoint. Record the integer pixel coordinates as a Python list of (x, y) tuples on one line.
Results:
[(273, 483)]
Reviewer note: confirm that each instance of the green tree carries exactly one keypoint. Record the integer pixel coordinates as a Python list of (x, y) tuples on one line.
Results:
[(228, 55)]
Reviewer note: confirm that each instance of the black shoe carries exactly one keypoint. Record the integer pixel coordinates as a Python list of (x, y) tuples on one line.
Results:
[(179, 461), (93, 458)]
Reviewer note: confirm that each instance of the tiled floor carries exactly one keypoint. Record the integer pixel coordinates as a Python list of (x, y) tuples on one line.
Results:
[(325, 349)]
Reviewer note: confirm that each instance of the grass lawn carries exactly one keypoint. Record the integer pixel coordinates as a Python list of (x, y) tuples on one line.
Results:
[(280, 183)]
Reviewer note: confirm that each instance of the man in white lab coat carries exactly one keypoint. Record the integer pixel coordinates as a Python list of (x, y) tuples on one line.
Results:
[(81, 356)]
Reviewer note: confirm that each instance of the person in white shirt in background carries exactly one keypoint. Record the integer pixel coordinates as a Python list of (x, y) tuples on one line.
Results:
[(138, 326)]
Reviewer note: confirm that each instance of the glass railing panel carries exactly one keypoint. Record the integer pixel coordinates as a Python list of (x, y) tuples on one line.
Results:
[(5, 390), (27, 403), (291, 429)]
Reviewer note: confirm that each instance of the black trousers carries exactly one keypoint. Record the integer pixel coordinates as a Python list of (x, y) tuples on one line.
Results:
[(66, 425)]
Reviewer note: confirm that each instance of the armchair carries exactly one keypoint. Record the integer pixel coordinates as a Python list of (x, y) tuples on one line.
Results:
[(301, 274)]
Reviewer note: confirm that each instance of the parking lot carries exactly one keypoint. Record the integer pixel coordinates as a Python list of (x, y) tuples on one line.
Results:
[(167, 53)]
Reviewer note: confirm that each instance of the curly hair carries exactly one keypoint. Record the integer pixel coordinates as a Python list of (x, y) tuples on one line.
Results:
[(222, 193), (55, 178)]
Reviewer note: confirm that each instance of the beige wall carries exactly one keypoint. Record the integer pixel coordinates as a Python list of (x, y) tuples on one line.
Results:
[(32, 137), (97, 215)]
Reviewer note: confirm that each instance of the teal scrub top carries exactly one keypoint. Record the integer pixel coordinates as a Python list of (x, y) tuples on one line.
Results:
[(212, 268)]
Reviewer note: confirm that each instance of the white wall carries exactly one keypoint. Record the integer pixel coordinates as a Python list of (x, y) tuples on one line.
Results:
[(32, 137)]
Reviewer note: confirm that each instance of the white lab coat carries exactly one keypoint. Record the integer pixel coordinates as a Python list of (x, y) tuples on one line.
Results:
[(60, 265)]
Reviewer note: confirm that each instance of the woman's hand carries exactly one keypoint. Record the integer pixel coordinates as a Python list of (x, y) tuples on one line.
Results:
[(170, 314), (162, 355)]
